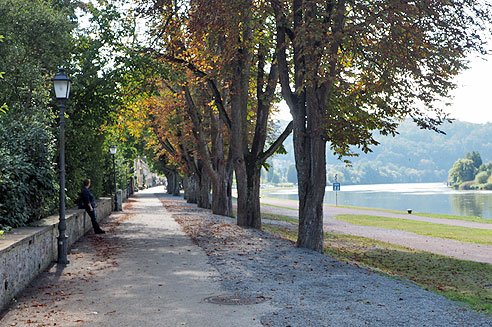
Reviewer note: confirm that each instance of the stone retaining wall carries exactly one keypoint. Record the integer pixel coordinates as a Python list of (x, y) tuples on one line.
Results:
[(25, 252)]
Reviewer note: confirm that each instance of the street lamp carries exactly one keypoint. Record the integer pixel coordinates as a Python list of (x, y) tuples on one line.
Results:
[(113, 149), (61, 84)]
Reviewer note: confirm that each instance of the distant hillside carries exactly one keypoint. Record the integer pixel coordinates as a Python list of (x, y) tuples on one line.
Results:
[(414, 155)]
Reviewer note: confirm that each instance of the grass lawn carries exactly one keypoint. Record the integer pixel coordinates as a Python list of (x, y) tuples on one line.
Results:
[(460, 280), (432, 215), (463, 234), (280, 207), (279, 218), (466, 218)]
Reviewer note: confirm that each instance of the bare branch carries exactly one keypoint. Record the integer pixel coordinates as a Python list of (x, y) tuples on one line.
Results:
[(274, 147)]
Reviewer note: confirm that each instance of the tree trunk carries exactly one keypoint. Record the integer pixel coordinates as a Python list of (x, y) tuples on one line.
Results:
[(243, 218), (222, 191), (204, 199), (173, 186), (186, 185), (192, 196), (252, 216), (310, 154), (170, 182), (177, 187)]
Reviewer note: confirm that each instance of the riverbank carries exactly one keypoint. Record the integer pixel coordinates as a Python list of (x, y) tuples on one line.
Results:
[(447, 247)]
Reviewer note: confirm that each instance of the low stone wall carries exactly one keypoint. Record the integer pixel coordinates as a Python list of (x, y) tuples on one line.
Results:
[(25, 252)]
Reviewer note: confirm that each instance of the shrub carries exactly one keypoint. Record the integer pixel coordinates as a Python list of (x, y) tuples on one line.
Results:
[(466, 186), (487, 186), (481, 177), (27, 175)]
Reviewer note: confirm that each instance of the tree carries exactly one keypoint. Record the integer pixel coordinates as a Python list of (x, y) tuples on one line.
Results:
[(482, 177), (27, 54), (475, 157), (463, 171), (362, 66), (228, 47), (28, 179)]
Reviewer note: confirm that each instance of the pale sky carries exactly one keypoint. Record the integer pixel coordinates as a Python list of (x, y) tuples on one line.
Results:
[(473, 97), (472, 100)]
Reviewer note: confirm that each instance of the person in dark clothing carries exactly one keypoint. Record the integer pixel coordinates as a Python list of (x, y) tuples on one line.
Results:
[(89, 204)]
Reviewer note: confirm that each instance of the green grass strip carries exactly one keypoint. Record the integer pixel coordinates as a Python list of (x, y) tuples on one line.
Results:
[(370, 209), (431, 215), (280, 207), (454, 217), (457, 233), (279, 218)]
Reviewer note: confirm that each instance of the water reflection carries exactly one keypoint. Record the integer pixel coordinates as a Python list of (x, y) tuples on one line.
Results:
[(472, 204), (420, 197)]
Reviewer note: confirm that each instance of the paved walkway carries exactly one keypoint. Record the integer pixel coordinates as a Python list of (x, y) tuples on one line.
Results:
[(455, 249), (146, 272), (143, 272)]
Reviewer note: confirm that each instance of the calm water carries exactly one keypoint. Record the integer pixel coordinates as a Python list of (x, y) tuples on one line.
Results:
[(420, 197)]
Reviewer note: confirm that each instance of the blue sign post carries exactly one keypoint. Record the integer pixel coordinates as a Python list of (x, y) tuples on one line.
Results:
[(336, 188)]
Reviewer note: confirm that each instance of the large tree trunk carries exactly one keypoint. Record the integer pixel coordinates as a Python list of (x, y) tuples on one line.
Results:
[(253, 215), (186, 186), (222, 192), (242, 193), (204, 199), (173, 186), (191, 188), (170, 182), (310, 154)]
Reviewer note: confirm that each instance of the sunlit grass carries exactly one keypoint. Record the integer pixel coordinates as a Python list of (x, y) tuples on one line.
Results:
[(279, 218), (457, 233)]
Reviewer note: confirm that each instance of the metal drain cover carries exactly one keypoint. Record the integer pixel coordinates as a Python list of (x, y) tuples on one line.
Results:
[(234, 299)]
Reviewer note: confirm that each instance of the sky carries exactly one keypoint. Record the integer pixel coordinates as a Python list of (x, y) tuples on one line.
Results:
[(472, 99)]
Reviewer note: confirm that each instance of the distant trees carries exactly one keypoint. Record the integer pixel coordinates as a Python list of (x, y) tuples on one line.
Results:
[(463, 171), (471, 173), (474, 156), (292, 174)]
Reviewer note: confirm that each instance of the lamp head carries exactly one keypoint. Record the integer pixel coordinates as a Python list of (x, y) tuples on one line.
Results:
[(61, 84)]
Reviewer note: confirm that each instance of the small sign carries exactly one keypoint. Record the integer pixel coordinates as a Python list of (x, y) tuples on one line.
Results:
[(336, 186)]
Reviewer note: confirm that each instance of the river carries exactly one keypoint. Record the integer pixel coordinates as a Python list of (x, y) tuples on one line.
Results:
[(420, 197)]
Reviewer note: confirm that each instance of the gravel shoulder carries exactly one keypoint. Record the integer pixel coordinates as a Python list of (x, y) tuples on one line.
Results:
[(451, 248), (310, 289)]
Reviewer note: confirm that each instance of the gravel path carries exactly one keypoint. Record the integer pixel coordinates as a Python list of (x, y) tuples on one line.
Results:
[(308, 288), (451, 248)]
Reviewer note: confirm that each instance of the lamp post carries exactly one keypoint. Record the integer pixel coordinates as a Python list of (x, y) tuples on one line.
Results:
[(61, 84), (113, 149)]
